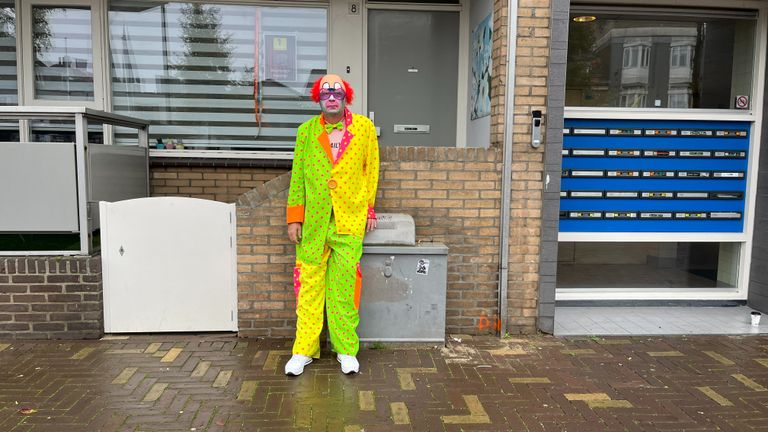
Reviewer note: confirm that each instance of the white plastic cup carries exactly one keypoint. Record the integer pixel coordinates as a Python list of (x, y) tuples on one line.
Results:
[(755, 318)]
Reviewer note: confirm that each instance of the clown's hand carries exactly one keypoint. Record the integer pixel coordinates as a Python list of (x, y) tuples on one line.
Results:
[(294, 232), (370, 225)]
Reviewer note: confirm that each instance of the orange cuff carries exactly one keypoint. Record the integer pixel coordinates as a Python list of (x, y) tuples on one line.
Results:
[(295, 214)]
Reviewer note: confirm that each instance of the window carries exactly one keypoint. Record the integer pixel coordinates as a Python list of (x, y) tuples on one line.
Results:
[(636, 56), (680, 56), (624, 48), (216, 76), (678, 100), (62, 53), (9, 91), (633, 99), (8, 84), (647, 265)]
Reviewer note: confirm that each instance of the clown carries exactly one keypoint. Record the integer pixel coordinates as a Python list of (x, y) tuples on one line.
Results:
[(330, 207)]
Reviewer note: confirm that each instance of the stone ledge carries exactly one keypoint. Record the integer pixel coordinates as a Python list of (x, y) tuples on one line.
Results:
[(271, 189)]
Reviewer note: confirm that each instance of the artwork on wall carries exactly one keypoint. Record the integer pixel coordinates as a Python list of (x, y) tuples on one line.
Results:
[(480, 96)]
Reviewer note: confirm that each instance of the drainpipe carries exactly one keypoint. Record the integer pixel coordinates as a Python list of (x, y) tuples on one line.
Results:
[(506, 180)]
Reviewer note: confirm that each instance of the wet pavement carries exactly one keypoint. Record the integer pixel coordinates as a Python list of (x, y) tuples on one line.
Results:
[(220, 383)]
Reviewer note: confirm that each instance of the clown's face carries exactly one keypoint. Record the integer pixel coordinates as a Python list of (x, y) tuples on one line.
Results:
[(332, 96)]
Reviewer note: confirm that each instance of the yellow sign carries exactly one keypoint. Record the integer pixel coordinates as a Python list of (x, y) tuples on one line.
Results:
[(280, 44)]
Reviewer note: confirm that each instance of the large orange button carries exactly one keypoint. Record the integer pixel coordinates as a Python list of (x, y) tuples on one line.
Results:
[(332, 184)]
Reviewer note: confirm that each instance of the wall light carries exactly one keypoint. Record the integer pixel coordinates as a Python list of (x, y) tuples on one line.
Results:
[(584, 18)]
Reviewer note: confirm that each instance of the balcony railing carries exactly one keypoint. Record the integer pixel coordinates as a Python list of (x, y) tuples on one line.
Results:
[(56, 164)]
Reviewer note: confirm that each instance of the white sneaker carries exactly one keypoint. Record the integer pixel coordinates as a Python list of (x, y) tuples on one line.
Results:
[(349, 363), (295, 365)]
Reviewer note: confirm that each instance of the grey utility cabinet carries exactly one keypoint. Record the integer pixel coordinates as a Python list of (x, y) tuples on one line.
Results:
[(404, 285)]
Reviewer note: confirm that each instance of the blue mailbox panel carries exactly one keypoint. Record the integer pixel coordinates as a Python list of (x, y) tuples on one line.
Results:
[(653, 176)]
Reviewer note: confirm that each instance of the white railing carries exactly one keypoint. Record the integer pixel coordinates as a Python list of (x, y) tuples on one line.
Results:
[(54, 187)]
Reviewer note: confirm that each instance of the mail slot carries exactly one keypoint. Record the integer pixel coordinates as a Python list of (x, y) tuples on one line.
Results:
[(417, 129)]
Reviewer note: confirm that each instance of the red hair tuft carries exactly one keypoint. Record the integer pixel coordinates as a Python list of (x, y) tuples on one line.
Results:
[(349, 92), (315, 92)]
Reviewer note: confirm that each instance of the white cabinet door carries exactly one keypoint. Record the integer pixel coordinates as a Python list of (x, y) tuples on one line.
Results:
[(169, 265)]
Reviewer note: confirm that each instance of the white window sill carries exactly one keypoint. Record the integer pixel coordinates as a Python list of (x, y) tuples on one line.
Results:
[(222, 154)]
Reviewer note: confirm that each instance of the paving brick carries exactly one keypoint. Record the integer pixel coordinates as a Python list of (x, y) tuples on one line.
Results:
[(121, 384)]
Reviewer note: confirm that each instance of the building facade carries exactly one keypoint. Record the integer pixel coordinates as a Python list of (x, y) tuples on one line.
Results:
[(533, 217)]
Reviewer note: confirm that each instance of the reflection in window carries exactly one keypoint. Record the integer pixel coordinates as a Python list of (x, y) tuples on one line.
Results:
[(633, 98), (216, 76), (63, 57), (9, 131), (647, 265), (679, 56), (8, 84), (678, 100), (640, 59), (636, 56), (62, 131)]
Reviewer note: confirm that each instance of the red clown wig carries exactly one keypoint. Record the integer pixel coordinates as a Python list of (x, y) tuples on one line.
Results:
[(347, 91)]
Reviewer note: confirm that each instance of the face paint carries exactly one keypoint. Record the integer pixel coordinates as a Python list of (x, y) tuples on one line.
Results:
[(332, 97)]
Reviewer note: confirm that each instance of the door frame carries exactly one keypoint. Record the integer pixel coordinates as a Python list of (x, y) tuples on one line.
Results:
[(463, 76)]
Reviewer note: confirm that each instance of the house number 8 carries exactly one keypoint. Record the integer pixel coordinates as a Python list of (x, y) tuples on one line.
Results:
[(354, 8)]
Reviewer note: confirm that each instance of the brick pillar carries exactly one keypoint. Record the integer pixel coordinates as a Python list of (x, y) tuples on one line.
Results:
[(531, 72)]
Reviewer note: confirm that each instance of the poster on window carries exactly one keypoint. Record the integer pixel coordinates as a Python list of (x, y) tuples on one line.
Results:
[(280, 57), (480, 96)]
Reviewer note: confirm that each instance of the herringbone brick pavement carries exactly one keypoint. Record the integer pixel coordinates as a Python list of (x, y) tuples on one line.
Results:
[(219, 383)]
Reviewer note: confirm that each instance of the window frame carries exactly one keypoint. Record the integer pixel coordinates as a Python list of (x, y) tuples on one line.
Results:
[(678, 52), (24, 51), (639, 54)]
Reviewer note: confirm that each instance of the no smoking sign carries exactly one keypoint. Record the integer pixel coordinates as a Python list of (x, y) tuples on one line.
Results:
[(742, 102)]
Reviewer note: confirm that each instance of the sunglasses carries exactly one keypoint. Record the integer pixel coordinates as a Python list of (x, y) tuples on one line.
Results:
[(337, 94)]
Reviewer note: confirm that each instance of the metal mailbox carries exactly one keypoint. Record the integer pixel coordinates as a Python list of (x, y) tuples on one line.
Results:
[(404, 287)]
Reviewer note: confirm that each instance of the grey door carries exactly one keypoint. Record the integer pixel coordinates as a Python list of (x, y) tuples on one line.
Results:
[(413, 76)]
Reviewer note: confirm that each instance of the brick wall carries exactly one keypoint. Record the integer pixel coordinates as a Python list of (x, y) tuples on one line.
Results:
[(453, 195), (50, 298), (223, 184)]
